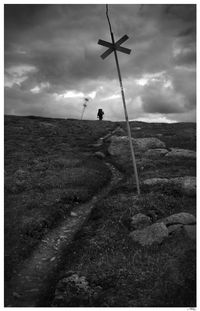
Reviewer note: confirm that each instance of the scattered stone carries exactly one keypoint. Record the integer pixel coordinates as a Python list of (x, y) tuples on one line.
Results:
[(153, 215), (158, 152), (99, 155), (185, 185), (137, 128), (188, 185), (140, 221), (156, 181), (175, 152), (174, 228), (119, 146), (143, 144), (159, 135), (180, 218), (191, 231), (73, 214), (47, 124), (119, 131), (155, 233)]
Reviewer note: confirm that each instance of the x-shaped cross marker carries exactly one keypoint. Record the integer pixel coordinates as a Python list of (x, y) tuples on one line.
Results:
[(115, 46)]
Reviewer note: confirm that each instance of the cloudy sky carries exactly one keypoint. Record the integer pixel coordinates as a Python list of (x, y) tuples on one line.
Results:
[(52, 61)]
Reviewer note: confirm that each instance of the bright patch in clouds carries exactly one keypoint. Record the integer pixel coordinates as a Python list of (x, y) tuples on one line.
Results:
[(18, 74), (52, 61), (40, 88), (148, 78), (155, 119), (111, 97), (73, 94)]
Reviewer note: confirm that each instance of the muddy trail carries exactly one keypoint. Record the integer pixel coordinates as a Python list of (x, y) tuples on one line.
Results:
[(34, 282)]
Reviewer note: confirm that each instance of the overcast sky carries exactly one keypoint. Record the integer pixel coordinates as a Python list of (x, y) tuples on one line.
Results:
[(52, 61)]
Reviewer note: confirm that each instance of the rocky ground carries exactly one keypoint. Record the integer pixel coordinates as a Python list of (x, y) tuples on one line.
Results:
[(134, 251)]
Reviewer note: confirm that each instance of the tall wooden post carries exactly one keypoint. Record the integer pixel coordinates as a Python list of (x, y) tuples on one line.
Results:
[(113, 47)]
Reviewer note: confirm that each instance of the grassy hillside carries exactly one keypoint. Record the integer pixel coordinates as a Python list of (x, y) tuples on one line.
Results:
[(50, 167)]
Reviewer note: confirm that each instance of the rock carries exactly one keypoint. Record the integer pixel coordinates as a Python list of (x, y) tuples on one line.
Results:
[(159, 135), (73, 214), (139, 221), (99, 155), (153, 215), (185, 185), (180, 218), (188, 185), (156, 181), (137, 128), (155, 233), (158, 152), (191, 231), (143, 144), (119, 146), (47, 124), (175, 152), (174, 228), (119, 131)]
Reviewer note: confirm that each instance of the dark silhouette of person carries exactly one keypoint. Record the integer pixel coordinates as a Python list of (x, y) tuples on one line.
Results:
[(100, 114)]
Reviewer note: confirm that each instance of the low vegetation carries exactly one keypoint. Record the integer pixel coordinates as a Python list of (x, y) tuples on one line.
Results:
[(130, 275), (46, 174), (50, 167)]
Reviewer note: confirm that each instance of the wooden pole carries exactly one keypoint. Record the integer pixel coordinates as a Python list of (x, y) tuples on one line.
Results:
[(125, 110), (83, 112)]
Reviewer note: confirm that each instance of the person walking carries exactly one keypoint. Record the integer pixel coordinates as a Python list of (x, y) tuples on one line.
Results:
[(100, 114)]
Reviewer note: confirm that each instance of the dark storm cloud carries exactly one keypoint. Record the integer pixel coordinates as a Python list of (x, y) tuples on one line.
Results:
[(155, 103), (56, 45)]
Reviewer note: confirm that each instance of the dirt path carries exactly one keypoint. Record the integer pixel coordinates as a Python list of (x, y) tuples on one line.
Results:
[(34, 282)]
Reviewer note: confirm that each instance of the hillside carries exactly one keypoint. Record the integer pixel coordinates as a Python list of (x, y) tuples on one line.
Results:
[(53, 167)]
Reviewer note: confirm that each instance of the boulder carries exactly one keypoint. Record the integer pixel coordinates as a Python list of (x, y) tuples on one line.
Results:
[(158, 152), (139, 221), (174, 228), (119, 146), (188, 185), (180, 218), (191, 231), (176, 152), (185, 185), (143, 144), (156, 181), (155, 233)]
